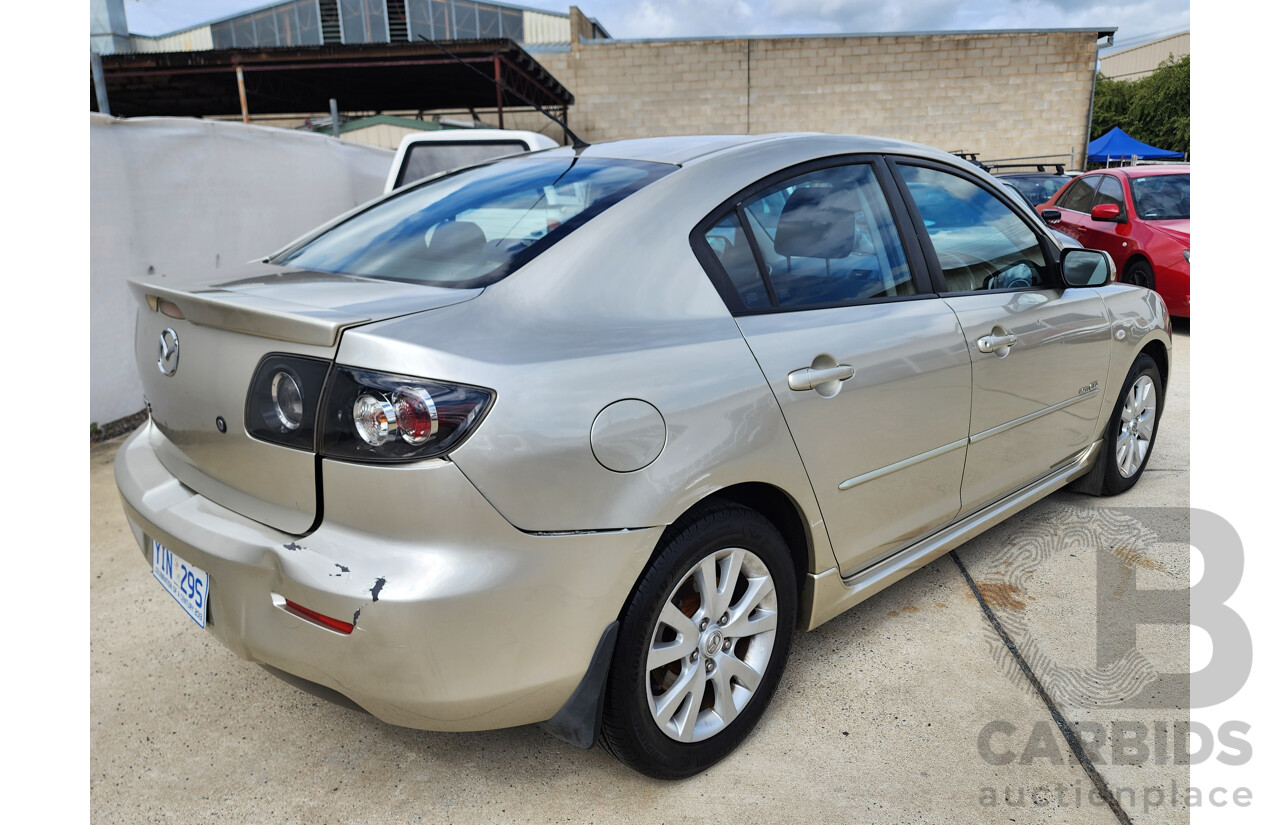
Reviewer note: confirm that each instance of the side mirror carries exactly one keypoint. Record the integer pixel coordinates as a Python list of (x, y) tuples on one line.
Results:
[(1106, 212), (1087, 267), (1051, 215)]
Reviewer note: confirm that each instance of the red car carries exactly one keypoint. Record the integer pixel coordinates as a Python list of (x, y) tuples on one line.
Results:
[(1141, 215)]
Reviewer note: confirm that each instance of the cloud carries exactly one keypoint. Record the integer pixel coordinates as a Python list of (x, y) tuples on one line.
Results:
[(682, 18), (727, 18), (724, 18)]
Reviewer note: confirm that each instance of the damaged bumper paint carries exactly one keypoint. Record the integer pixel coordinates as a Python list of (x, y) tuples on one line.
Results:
[(459, 620)]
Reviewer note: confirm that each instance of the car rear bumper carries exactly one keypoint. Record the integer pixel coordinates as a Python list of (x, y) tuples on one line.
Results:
[(461, 621)]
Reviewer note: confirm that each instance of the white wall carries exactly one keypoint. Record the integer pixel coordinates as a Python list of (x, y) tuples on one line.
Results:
[(180, 195)]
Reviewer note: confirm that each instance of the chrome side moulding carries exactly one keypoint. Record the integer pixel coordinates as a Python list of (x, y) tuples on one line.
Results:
[(1009, 425), (903, 464), (827, 594), (973, 439)]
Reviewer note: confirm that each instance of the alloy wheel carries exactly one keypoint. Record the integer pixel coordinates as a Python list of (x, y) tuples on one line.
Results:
[(1137, 425), (711, 645)]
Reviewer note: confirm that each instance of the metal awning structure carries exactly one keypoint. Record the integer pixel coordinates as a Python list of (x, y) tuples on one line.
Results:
[(380, 77)]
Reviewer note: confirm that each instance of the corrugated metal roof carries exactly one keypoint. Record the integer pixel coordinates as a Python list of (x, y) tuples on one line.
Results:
[(1104, 31), (264, 7)]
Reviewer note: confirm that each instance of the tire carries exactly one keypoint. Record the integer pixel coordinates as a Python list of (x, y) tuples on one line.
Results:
[(684, 715), (1139, 273), (1131, 432)]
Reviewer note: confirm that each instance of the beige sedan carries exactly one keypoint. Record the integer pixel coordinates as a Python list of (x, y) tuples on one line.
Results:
[(580, 437)]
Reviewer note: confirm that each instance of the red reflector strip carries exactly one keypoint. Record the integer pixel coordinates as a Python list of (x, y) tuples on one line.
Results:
[(320, 618)]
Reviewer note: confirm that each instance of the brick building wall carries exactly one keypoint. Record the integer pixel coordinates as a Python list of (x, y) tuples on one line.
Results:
[(999, 94)]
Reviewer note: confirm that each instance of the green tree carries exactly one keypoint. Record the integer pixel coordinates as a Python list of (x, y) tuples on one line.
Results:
[(1155, 109)]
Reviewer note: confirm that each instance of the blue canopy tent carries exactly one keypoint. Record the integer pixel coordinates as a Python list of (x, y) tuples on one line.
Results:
[(1117, 146)]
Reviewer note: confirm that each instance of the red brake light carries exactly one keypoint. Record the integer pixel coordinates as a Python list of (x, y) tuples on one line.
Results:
[(416, 415), (378, 416)]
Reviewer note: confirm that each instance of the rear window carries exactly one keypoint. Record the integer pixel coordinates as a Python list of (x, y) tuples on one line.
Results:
[(476, 226), (1038, 188)]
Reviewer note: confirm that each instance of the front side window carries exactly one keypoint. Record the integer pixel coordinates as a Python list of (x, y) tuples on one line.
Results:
[(980, 242), (476, 226), (1109, 191), (824, 237)]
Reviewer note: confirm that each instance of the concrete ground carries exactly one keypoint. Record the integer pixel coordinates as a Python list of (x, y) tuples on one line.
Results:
[(908, 708)]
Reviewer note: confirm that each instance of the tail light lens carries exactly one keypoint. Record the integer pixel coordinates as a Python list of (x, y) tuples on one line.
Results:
[(378, 416), (284, 398)]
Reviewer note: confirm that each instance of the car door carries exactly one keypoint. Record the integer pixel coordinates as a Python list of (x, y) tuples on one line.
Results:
[(869, 367), (1040, 351), (1111, 237)]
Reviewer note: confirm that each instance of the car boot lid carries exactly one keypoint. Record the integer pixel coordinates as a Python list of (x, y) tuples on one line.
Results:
[(287, 304)]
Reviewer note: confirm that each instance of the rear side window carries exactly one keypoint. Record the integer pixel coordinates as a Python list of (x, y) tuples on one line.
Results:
[(474, 227), (822, 238), (1079, 198), (732, 249), (425, 159)]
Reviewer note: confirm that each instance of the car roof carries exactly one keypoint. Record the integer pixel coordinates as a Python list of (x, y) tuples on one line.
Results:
[(685, 149), (1147, 171)]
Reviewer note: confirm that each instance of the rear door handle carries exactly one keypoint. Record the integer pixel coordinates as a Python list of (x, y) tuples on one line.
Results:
[(810, 377), (992, 343)]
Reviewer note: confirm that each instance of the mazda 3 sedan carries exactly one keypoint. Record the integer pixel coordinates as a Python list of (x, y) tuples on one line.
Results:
[(581, 437)]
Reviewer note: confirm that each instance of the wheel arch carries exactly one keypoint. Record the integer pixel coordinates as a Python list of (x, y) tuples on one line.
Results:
[(1160, 354), (772, 502), (1136, 257), (779, 508)]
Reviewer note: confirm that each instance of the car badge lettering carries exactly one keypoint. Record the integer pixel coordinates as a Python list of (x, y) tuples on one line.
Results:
[(168, 351)]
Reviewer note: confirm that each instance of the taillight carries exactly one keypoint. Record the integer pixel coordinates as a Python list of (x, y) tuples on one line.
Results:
[(379, 416), (284, 398)]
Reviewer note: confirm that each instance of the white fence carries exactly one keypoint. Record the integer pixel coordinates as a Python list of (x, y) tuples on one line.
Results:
[(179, 195)]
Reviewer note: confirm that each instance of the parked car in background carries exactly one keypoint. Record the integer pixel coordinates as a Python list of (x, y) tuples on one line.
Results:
[(580, 437), (1037, 187), (1141, 215), (424, 154)]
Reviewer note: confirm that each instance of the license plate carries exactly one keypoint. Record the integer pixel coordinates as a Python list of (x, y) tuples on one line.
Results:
[(188, 584)]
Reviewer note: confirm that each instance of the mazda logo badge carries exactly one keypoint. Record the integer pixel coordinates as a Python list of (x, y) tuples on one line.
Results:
[(168, 361)]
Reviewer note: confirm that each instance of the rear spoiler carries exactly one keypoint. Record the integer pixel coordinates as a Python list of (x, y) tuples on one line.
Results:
[(252, 314)]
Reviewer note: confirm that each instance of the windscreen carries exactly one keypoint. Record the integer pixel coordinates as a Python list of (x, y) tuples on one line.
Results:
[(474, 227), (1162, 197)]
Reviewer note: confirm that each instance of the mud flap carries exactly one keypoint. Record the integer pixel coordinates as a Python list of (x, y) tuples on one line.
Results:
[(578, 721)]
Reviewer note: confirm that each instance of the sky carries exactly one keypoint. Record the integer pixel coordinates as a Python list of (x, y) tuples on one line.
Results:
[(1136, 20)]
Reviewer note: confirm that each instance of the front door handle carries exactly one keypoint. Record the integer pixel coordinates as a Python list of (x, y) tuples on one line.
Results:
[(998, 344), (811, 377)]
